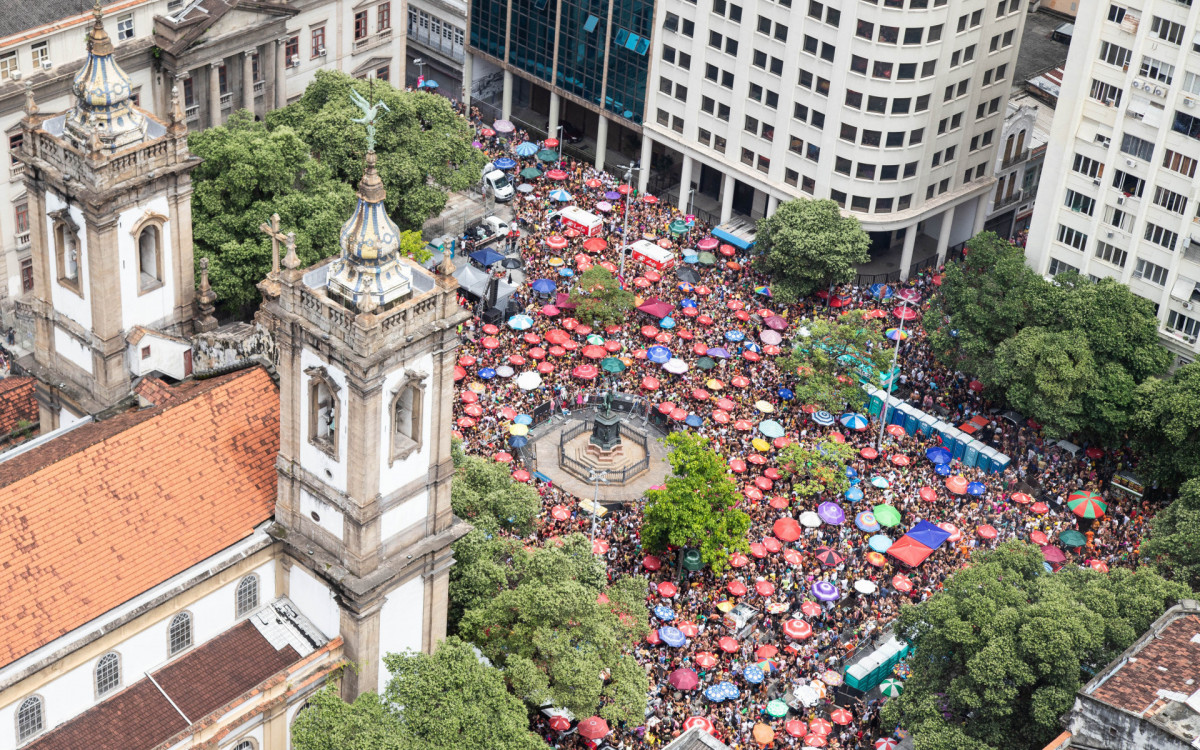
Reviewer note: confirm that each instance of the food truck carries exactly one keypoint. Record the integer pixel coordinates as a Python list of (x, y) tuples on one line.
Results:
[(644, 251), (584, 222)]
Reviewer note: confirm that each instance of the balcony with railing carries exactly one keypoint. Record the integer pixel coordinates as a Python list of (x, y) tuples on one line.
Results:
[(22, 239), (437, 43), (192, 112), (1015, 159), (259, 87), (227, 100), (1005, 201), (374, 40)]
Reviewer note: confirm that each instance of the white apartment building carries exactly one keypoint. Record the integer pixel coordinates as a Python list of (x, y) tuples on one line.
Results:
[(223, 55), (1119, 195), (892, 108)]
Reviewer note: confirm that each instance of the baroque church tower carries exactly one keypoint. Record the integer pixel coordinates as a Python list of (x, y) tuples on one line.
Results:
[(109, 188), (366, 344)]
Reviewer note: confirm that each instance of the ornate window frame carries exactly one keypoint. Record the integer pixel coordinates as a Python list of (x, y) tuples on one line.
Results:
[(250, 579), (156, 221), (317, 377), (403, 446), (62, 227), (40, 702), (103, 690)]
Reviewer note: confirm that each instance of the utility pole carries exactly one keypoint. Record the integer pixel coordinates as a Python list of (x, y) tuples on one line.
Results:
[(891, 378), (596, 477), (629, 170)]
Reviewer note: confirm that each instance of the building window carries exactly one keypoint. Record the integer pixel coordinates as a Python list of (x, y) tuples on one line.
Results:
[(1161, 236), (407, 416), (27, 274), (384, 16), (1111, 254), (149, 257), (1188, 326), (247, 595), (244, 745), (66, 249), (41, 54), (1114, 54), (1168, 31), (29, 718), (21, 213), (125, 27), (360, 25), (291, 50), (384, 73), (1170, 200), (179, 633), (1057, 267), (323, 411), (1071, 237), (1137, 147), (318, 41), (8, 65), (108, 673), (1177, 162), (1151, 272)]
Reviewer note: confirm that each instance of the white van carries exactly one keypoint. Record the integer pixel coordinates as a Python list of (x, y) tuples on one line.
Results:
[(498, 184)]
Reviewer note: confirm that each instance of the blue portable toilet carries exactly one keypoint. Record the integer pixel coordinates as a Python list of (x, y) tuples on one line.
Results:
[(912, 420), (940, 429), (971, 453), (987, 459), (896, 415), (959, 440), (1000, 462), (927, 423)]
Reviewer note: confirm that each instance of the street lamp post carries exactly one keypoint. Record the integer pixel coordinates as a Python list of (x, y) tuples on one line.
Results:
[(629, 170), (560, 140), (420, 63), (596, 477), (891, 378)]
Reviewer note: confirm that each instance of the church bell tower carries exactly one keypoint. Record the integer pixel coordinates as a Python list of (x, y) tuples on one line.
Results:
[(366, 345), (109, 193)]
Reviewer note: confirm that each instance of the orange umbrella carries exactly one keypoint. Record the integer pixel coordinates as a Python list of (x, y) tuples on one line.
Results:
[(956, 484), (763, 734)]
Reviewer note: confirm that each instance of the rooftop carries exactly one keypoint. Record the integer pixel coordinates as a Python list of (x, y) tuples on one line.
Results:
[(150, 492), (17, 403), (696, 739), (22, 15)]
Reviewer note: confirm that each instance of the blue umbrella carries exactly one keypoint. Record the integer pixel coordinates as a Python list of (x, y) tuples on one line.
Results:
[(943, 470), (560, 195), (520, 322), (544, 286), (718, 352), (487, 373), (734, 335), (976, 488), (770, 428), (486, 257), (879, 543), (524, 419), (880, 482), (504, 163), (750, 346), (659, 355), (667, 322), (688, 302), (854, 494), (823, 418), (526, 149), (664, 613), (671, 636), (851, 472), (685, 287), (430, 84), (730, 690), (693, 421), (882, 291), (865, 520), (787, 395), (518, 441), (938, 456), (714, 694), (564, 272), (853, 421), (753, 674), (691, 258)]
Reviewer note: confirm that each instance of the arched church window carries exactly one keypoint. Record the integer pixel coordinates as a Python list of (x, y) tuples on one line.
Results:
[(149, 245), (247, 595), (66, 249), (179, 633), (108, 673), (407, 415), (324, 412), (30, 720)]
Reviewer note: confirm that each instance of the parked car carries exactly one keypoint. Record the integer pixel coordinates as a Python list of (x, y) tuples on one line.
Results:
[(497, 183)]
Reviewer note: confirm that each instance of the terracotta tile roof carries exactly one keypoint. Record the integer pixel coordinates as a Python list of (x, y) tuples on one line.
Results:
[(111, 509), (16, 403), (1166, 662), (199, 683)]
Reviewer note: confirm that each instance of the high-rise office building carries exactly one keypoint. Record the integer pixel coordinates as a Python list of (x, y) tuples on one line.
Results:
[(1118, 194), (892, 108)]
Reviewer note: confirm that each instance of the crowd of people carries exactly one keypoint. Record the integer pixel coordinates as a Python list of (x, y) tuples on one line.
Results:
[(731, 297)]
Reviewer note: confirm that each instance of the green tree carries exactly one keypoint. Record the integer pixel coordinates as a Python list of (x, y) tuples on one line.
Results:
[(1172, 545), (1003, 648), (553, 637), (423, 146), (1047, 375), (449, 700), (807, 245), (599, 298), (697, 506), (1120, 326), (1166, 427), (818, 469), (249, 173), (833, 359)]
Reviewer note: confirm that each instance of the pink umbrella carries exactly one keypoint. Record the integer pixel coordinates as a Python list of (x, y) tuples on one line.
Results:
[(684, 679)]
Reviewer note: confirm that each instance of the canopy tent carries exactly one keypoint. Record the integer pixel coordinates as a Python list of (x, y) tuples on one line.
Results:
[(909, 551), (929, 534), (474, 281), (656, 308)]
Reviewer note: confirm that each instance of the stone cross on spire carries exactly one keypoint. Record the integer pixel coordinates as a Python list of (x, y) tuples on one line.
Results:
[(270, 285), (205, 301)]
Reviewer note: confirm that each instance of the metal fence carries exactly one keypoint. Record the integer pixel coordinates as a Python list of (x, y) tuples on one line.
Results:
[(867, 279), (583, 471), (455, 221)]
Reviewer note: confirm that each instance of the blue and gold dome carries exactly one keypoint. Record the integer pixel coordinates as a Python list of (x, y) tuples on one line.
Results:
[(369, 275), (103, 110)]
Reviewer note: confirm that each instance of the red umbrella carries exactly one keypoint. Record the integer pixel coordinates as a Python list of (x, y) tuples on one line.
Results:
[(667, 589), (905, 313), (688, 628), (763, 483), (815, 740), (956, 484), (899, 459), (810, 609), (557, 351), (781, 442), (869, 453), (765, 652), (653, 275), (755, 494), (650, 383), (841, 716), (612, 346), (651, 563), (684, 679), (699, 394), (466, 360), (556, 242), (1094, 452), (550, 311), (469, 397), (720, 417), (532, 338), (699, 721), (582, 329), (545, 368), (1039, 538), (557, 336), (928, 494), (490, 329), (779, 502), (652, 638), (743, 424), (459, 373), (1040, 508), (705, 659), (976, 386), (699, 349), (740, 382), (503, 457), (886, 743), (725, 404), (896, 430), (738, 466), (797, 629), (592, 728), (828, 557), (705, 320), (666, 407), (742, 315), (727, 251), (955, 534), (585, 372), (599, 547), (792, 556), (738, 560), (764, 588), (594, 351), (987, 531), (491, 342), (556, 174), (553, 143), (751, 356), (560, 513), (820, 726), (900, 583), (487, 132), (736, 588), (772, 473), (1022, 498), (625, 189), (559, 723), (1099, 565), (772, 544), (647, 198), (758, 550), (796, 728), (727, 644), (662, 337)]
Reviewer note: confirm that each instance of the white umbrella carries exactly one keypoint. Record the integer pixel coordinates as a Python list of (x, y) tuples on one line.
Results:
[(809, 519), (806, 695), (864, 586), (504, 371), (676, 366), (527, 381)]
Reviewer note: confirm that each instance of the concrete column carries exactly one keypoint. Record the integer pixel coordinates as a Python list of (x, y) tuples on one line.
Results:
[(981, 206), (685, 181), (506, 97), (727, 198), (281, 63), (772, 204), (248, 80), (910, 241), (644, 162), (468, 77), (944, 235), (601, 137), (214, 95), (552, 120)]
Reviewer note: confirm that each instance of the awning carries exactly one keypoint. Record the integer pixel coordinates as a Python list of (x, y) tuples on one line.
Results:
[(909, 551), (1184, 289)]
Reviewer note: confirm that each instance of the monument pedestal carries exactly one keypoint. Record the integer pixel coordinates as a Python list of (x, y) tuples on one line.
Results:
[(606, 434)]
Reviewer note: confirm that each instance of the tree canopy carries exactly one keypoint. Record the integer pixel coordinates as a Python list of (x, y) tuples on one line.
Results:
[(697, 507), (449, 699), (1047, 375), (1166, 427), (1004, 647), (830, 362), (599, 298), (1172, 544), (551, 633), (818, 469), (806, 245)]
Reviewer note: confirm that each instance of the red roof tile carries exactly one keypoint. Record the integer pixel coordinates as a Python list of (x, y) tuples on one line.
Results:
[(1166, 662), (17, 403), (109, 510), (199, 683)]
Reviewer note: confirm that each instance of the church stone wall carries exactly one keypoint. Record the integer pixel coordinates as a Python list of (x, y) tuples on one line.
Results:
[(77, 307), (158, 303), (229, 346)]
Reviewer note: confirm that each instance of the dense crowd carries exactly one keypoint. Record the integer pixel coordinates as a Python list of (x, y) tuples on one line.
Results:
[(726, 299)]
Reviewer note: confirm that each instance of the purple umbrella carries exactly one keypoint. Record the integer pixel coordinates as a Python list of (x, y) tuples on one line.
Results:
[(719, 352), (825, 591), (831, 513), (476, 144), (612, 195), (684, 679), (770, 337), (775, 322)]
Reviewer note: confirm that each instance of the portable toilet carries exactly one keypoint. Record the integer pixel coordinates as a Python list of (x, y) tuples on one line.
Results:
[(971, 453), (896, 411), (939, 429), (957, 441), (912, 421), (988, 458), (1000, 462), (927, 423), (875, 400)]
